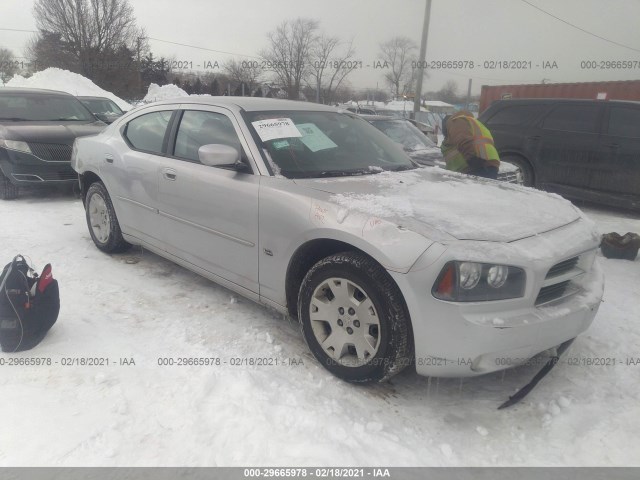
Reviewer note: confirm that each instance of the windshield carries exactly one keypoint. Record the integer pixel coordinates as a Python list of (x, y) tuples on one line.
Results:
[(102, 105), (301, 144), (34, 107), (404, 133)]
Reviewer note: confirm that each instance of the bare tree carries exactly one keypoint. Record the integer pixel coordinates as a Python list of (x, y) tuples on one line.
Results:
[(449, 92), (243, 72), (288, 53), (88, 29), (328, 69), (8, 65), (398, 53)]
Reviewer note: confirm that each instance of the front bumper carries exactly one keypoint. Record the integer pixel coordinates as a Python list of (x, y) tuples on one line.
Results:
[(27, 169), (466, 339)]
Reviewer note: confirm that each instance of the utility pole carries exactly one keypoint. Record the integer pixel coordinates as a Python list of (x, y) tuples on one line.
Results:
[(422, 60), (469, 94)]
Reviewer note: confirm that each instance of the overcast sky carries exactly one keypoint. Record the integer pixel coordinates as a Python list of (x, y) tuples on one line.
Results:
[(479, 31)]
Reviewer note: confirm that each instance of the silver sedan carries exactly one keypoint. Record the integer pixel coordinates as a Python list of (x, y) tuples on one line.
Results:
[(316, 213)]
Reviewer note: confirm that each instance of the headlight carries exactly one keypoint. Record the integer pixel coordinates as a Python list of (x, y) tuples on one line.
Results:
[(497, 275), (16, 145), (479, 282), (469, 274)]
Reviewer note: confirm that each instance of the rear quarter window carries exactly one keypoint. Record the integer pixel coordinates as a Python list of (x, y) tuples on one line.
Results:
[(624, 122)]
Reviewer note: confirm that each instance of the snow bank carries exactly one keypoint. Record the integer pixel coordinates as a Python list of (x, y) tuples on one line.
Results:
[(65, 81), (165, 92)]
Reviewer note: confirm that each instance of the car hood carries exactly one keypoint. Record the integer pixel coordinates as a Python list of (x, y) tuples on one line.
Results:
[(460, 206), (45, 132)]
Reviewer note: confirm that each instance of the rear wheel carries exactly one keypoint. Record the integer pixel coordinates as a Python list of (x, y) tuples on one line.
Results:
[(525, 172), (8, 191), (102, 221), (354, 319)]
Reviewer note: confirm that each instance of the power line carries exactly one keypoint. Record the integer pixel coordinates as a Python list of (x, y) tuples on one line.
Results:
[(202, 48), (579, 28), (18, 30)]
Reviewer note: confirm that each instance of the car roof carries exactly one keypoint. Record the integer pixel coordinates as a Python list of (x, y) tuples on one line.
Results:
[(93, 97), (249, 104), (37, 91)]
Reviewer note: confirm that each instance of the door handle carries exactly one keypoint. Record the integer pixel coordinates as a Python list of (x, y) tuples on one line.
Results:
[(612, 145), (108, 158), (169, 174)]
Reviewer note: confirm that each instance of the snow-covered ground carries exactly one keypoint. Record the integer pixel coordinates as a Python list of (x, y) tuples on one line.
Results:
[(141, 307)]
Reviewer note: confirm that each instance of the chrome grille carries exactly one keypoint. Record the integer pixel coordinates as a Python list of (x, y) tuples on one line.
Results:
[(563, 267), (51, 152), (552, 292), (509, 177)]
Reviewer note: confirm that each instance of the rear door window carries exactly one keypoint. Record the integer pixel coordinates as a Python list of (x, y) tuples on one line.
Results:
[(624, 122), (573, 118), (147, 132)]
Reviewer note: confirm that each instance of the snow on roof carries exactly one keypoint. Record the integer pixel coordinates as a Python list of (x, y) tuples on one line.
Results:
[(437, 103), (403, 105), (65, 81)]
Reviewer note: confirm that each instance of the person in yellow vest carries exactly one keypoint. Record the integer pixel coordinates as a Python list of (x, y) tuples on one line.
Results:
[(468, 146)]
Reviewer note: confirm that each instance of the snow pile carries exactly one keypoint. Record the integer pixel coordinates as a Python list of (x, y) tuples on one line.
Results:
[(164, 92), (65, 81)]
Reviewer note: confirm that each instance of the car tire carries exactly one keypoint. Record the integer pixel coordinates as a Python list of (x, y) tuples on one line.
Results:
[(102, 221), (526, 172), (8, 191), (350, 296)]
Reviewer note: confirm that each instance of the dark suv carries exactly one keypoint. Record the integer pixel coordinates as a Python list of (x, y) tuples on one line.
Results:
[(582, 149), (37, 131)]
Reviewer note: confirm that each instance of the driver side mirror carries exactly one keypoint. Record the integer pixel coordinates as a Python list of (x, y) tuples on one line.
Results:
[(218, 155)]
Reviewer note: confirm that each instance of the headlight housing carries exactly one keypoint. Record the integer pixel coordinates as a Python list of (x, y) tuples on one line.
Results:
[(479, 282), (15, 145)]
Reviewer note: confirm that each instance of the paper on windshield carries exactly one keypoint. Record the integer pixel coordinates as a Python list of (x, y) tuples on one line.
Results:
[(276, 128), (314, 138)]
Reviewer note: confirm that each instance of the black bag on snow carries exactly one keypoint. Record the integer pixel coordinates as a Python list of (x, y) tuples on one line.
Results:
[(29, 305)]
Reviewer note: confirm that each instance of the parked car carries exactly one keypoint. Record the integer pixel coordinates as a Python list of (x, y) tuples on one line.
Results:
[(426, 122), (414, 142), (321, 216), (582, 149), (37, 130), (103, 108), (421, 149)]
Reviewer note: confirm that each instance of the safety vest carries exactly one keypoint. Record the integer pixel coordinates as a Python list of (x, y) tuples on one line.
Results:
[(482, 144)]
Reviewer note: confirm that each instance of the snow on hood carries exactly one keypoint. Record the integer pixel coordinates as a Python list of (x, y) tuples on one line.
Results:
[(164, 92), (461, 206), (65, 81)]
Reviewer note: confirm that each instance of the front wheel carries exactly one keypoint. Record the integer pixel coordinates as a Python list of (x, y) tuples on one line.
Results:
[(102, 221), (354, 318)]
